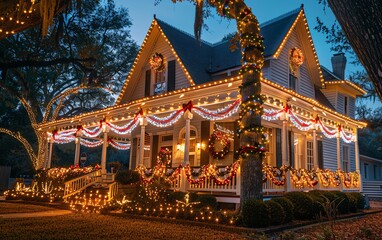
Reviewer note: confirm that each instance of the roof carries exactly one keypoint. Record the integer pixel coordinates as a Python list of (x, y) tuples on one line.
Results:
[(320, 97), (331, 79), (202, 58), (196, 56)]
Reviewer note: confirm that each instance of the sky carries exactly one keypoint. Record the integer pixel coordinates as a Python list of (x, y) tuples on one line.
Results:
[(181, 15)]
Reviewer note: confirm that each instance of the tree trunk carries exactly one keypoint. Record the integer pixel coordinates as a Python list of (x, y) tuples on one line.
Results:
[(361, 23)]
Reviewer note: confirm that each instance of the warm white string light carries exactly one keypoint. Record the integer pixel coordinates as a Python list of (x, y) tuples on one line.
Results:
[(90, 144)]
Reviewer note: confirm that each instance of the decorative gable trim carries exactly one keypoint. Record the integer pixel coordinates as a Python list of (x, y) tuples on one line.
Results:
[(302, 16), (153, 23)]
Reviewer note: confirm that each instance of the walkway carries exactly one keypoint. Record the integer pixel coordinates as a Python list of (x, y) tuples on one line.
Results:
[(49, 213)]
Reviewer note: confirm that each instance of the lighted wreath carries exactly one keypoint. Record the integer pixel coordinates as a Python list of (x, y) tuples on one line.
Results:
[(224, 141), (165, 155), (296, 59), (157, 62)]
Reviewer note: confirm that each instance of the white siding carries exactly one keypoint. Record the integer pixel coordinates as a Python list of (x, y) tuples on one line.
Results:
[(331, 96), (280, 68), (161, 46), (329, 146), (340, 103)]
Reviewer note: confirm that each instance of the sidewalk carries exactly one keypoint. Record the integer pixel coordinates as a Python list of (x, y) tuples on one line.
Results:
[(49, 213)]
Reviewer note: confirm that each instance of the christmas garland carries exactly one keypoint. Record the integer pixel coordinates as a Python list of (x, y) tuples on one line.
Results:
[(224, 142)]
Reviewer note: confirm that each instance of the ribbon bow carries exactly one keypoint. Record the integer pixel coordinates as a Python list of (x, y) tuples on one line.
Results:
[(188, 106)]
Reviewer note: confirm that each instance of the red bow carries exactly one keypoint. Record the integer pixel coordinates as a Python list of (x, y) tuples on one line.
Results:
[(188, 106)]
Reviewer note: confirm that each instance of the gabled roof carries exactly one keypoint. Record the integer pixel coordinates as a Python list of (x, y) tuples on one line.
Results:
[(196, 56), (331, 79), (320, 97)]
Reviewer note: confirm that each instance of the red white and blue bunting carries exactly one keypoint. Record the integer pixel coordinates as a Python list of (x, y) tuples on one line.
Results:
[(67, 136)]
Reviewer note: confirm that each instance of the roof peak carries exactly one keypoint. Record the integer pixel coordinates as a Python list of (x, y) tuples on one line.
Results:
[(285, 15), (180, 30)]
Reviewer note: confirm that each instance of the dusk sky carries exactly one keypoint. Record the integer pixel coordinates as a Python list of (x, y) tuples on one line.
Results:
[(181, 15)]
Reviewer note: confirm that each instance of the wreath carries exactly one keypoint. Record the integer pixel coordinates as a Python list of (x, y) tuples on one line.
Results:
[(224, 141), (164, 156), (157, 62), (296, 59)]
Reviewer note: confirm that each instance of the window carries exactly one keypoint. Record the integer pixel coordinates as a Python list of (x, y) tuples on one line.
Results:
[(365, 169), (192, 147), (269, 145), (160, 82), (293, 82), (146, 149), (345, 158), (346, 111), (166, 143), (309, 155)]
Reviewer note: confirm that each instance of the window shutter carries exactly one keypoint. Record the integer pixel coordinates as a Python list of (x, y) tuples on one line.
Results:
[(320, 153), (148, 83), (278, 148), (171, 76), (155, 150), (291, 148), (205, 135), (133, 158)]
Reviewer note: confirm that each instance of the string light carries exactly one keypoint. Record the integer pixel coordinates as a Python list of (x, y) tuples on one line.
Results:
[(91, 144)]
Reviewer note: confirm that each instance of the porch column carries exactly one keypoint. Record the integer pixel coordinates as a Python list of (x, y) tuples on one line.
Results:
[(357, 162), (77, 152), (315, 147), (143, 124), (284, 141), (338, 151), (284, 150), (188, 116), (104, 148), (49, 162)]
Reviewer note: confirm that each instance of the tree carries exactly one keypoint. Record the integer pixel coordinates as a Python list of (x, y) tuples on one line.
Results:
[(77, 67), (250, 130), (361, 23)]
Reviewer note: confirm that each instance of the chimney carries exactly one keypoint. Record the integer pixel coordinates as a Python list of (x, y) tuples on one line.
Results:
[(339, 64)]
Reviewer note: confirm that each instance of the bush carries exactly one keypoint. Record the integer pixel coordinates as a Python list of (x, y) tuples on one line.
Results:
[(287, 206), (360, 199), (254, 214), (342, 202), (276, 213), (176, 196), (352, 202), (127, 177), (303, 206), (207, 200)]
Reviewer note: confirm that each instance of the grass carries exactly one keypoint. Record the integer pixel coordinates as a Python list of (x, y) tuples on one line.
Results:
[(6, 207), (96, 226)]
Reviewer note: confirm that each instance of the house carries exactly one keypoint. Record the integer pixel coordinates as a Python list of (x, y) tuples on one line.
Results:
[(371, 172), (181, 101)]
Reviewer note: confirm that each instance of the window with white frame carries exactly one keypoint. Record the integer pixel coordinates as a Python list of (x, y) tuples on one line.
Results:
[(192, 147), (345, 158), (365, 170), (309, 155)]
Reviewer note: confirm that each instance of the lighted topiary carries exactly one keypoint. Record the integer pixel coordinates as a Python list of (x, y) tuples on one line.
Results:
[(303, 205), (276, 213), (287, 206), (254, 213)]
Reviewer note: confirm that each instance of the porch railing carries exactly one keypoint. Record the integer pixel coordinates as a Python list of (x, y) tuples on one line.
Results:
[(76, 185), (180, 183)]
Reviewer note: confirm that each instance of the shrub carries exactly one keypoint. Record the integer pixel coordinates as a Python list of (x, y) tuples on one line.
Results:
[(254, 214), (303, 206), (342, 202), (276, 213), (360, 199), (207, 200), (176, 196), (127, 177), (287, 206), (352, 202)]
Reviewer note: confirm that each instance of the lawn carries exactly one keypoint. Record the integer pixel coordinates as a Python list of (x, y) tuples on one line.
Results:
[(96, 226), (7, 207)]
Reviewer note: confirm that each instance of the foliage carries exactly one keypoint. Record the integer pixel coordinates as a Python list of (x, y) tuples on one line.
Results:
[(359, 199), (342, 201), (127, 176), (254, 213), (287, 206), (276, 213), (90, 50), (303, 206), (207, 201), (115, 165)]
